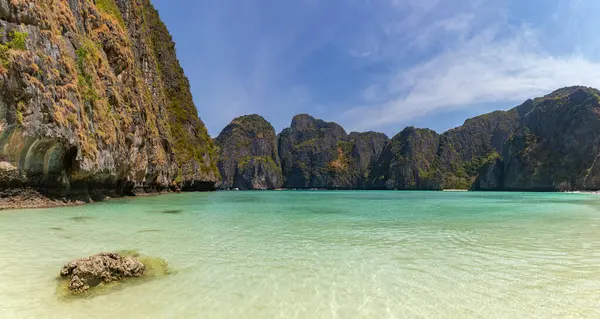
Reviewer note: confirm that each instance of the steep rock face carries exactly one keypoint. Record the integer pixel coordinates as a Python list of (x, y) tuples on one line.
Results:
[(465, 149), (545, 144), (407, 162), (248, 156), (94, 101), (490, 177), (317, 154), (556, 147), (366, 148), (421, 159)]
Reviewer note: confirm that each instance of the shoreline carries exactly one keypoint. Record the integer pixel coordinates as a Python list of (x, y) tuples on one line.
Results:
[(33, 199), (29, 198), (582, 192)]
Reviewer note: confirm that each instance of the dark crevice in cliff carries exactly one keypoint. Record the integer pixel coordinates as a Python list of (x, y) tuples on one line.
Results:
[(69, 161)]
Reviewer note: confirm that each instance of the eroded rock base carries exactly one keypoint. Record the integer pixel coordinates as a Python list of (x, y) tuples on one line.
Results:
[(90, 272), (106, 272)]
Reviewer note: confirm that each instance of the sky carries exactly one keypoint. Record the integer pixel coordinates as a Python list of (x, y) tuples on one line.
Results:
[(379, 65)]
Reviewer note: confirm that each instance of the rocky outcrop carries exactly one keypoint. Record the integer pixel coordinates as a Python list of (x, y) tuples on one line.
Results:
[(422, 159), (317, 154), (366, 149), (408, 162), (545, 144), (464, 150), (248, 156), (490, 177), (555, 148), (93, 102), (92, 271), (313, 154)]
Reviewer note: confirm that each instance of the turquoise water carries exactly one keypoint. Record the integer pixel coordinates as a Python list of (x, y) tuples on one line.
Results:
[(317, 255)]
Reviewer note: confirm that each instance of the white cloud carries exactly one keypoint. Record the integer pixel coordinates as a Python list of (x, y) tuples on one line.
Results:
[(498, 63), (390, 61)]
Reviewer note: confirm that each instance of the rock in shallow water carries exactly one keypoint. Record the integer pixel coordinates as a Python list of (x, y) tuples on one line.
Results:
[(89, 272)]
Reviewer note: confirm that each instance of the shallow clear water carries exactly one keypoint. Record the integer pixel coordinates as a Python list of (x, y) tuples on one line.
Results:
[(317, 255)]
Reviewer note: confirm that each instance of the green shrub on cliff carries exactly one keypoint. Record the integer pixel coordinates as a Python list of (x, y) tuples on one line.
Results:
[(17, 42), (86, 83), (473, 166), (110, 8)]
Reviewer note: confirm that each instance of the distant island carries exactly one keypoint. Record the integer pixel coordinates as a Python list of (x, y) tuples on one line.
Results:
[(545, 144), (94, 104)]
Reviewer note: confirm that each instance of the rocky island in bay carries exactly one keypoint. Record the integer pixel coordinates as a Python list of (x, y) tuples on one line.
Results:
[(513, 150), (248, 155)]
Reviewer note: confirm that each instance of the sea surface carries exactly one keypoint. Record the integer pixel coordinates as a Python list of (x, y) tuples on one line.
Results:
[(312, 254)]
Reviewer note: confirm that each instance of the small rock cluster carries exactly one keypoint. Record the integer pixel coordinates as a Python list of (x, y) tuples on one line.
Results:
[(89, 272)]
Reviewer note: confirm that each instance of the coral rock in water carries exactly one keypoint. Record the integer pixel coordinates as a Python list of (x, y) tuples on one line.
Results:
[(89, 272)]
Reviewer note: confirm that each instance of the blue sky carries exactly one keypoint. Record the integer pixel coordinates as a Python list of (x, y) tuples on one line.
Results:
[(379, 64)]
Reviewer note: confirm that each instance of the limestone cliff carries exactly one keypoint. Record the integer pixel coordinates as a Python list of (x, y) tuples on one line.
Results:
[(319, 154), (546, 144), (407, 162), (248, 156), (316, 154), (464, 150), (556, 147), (94, 101), (422, 159), (366, 149)]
